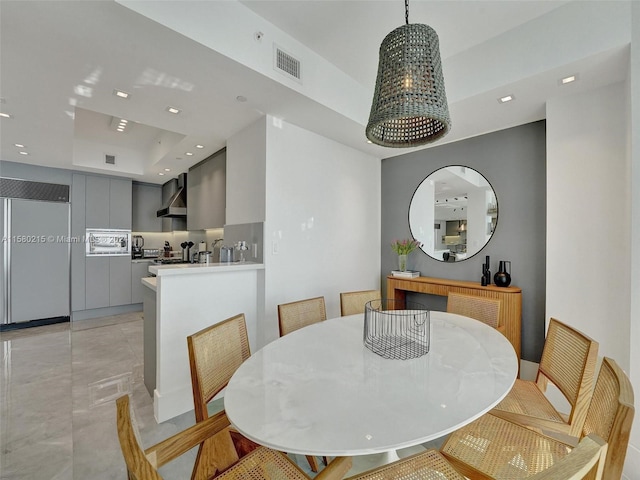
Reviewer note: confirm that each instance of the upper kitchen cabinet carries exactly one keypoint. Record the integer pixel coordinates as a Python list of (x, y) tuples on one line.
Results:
[(206, 192), (97, 202), (108, 202), (146, 200), (120, 204)]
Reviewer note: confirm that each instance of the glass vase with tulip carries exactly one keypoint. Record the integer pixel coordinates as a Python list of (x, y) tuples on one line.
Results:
[(403, 248)]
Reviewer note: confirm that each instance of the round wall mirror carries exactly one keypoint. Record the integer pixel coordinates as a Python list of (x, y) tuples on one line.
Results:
[(453, 213)]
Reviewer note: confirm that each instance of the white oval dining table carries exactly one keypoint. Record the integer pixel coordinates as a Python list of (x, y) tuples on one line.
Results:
[(320, 391)]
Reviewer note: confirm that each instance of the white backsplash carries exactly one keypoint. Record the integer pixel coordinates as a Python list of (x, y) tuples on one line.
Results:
[(157, 239)]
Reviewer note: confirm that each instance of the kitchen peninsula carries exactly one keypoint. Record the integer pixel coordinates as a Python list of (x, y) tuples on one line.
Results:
[(179, 301)]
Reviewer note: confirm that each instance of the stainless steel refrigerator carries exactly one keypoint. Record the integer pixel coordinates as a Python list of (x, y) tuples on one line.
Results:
[(35, 253)]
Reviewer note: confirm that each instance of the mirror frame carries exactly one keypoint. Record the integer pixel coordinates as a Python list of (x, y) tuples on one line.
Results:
[(490, 204)]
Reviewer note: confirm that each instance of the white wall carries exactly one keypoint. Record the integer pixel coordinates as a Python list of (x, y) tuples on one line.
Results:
[(323, 219), (632, 464), (588, 191)]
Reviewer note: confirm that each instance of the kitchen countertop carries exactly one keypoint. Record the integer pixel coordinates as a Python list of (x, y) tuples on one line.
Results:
[(150, 282), (198, 268)]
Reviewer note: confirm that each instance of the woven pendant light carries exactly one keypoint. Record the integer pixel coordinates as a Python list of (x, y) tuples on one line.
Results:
[(409, 105)]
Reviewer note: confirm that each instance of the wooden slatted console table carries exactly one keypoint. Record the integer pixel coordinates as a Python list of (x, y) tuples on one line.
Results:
[(510, 309)]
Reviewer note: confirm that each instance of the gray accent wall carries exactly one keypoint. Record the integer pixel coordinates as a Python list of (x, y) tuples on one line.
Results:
[(514, 162)]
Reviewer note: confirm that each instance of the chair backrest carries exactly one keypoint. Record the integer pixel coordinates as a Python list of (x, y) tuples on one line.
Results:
[(138, 465), (584, 461), (485, 309), (295, 315), (610, 415), (215, 353), (569, 360), (353, 302)]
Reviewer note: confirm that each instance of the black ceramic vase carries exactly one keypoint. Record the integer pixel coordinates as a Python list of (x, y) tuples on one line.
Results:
[(502, 278)]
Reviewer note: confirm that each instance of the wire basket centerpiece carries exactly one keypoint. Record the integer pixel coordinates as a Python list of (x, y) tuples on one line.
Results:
[(396, 330)]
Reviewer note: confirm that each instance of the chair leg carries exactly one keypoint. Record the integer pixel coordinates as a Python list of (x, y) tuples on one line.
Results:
[(313, 463), (215, 454)]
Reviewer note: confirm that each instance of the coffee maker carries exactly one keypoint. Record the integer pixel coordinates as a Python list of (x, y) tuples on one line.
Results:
[(137, 242)]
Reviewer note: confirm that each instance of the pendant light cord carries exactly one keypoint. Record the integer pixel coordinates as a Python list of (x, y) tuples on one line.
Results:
[(406, 11)]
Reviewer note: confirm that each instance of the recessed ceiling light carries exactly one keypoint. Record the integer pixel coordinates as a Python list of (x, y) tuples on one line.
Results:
[(24, 153), (173, 110), (506, 98), (121, 94), (19, 145), (122, 120), (569, 79), (167, 169), (161, 174), (5, 115), (369, 141), (120, 129), (199, 146), (188, 154)]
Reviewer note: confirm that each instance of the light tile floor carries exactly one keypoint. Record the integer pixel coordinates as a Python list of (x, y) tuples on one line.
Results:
[(58, 386)]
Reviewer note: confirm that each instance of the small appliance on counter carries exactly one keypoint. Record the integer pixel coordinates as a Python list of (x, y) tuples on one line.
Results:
[(226, 254), (204, 257), (167, 249), (137, 242), (150, 252)]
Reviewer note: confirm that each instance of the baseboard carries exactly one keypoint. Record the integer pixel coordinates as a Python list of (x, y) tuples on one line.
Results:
[(528, 370), (7, 327), (105, 312)]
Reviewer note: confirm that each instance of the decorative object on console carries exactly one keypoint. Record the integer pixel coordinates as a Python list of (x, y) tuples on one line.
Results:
[(409, 105), (405, 273), (502, 278), (396, 330), (403, 248), (486, 273)]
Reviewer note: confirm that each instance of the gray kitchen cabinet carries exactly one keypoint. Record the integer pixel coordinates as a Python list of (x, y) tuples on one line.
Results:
[(120, 203), (107, 282), (146, 200), (206, 192), (97, 280), (119, 281), (78, 214), (149, 339), (107, 202), (97, 202), (139, 270)]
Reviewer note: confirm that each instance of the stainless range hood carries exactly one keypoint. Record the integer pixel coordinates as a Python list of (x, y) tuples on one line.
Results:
[(176, 206)]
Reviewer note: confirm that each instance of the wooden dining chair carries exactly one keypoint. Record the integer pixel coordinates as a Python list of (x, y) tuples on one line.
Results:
[(568, 362), (352, 303), (586, 458), (215, 353), (492, 447), (261, 463), (295, 315), (485, 309)]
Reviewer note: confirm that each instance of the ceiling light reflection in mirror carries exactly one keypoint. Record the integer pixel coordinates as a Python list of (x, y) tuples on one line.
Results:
[(453, 213)]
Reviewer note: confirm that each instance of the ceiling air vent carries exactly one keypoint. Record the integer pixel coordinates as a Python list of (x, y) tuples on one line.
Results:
[(110, 159), (287, 64)]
